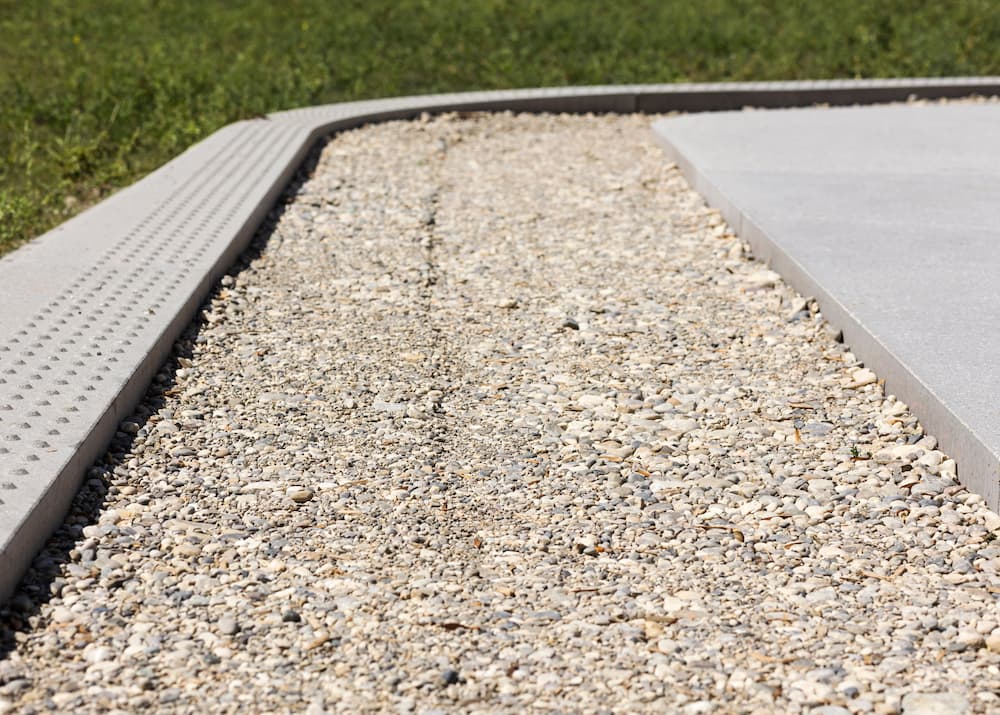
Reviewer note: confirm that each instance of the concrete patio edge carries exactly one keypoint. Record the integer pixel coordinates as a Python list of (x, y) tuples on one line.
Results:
[(91, 310), (953, 411)]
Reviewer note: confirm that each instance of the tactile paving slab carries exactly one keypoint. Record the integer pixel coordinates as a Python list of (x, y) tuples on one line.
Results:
[(89, 311), (890, 217)]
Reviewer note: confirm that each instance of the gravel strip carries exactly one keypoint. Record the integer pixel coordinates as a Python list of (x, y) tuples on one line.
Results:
[(501, 418)]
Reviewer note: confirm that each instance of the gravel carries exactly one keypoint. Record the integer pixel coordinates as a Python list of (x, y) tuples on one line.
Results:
[(497, 416)]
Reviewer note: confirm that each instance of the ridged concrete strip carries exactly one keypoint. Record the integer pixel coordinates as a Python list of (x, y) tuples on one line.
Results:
[(888, 217), (90, 310)]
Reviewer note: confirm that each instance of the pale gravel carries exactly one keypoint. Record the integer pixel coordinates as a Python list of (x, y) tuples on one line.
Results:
[(501, 418)]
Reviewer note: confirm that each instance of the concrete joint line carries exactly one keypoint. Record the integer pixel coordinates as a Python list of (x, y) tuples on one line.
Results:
[(90, 310)]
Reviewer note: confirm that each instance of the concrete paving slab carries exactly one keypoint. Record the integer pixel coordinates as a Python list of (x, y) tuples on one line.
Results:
[(890, 217)]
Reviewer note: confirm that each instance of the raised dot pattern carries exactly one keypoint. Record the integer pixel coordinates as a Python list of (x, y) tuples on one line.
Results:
[(58, 371)]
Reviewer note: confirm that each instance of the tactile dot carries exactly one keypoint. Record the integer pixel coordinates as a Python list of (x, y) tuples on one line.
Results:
[(20, 471), (8, 486), (32, 457)]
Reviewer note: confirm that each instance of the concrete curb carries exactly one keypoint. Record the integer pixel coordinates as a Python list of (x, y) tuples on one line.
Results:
[(91, 309)]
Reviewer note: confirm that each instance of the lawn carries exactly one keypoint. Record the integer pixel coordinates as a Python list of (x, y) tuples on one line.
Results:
[(96, 93)]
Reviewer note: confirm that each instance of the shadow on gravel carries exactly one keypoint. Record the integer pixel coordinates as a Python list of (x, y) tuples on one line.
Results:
[(70, 551)]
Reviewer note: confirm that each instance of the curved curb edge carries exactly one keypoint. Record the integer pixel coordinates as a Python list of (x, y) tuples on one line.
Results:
[(91, 309)]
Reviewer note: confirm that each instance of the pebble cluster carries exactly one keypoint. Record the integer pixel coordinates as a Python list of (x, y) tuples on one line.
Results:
[(497, 416)]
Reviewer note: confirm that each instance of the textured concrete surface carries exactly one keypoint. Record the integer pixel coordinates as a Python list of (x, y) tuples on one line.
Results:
[(889, 216), (89, 311)]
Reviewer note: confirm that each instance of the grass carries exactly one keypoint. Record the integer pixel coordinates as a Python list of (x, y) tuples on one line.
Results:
[(96, 93)]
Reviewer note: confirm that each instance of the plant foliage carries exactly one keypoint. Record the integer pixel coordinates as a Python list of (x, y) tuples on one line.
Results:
[(96, 93)]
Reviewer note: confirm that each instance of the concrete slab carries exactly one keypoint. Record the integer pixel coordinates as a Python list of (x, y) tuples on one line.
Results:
[(890, 217)]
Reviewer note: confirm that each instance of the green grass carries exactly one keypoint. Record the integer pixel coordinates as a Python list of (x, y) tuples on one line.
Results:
[(96, 93)]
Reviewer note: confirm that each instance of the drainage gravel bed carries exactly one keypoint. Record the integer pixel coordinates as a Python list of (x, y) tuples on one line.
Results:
[(497, 416)]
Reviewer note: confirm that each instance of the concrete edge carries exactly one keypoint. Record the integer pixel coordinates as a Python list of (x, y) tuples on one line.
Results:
[(178, 203), (977, 464)]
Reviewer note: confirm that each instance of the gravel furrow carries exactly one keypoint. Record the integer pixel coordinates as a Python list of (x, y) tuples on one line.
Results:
[(499, 417)]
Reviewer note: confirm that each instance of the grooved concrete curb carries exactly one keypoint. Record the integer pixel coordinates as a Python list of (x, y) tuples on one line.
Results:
[(91, 309)]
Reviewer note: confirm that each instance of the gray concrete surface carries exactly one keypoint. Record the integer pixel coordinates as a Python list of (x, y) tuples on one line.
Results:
[(89, 311), (890, 217)]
